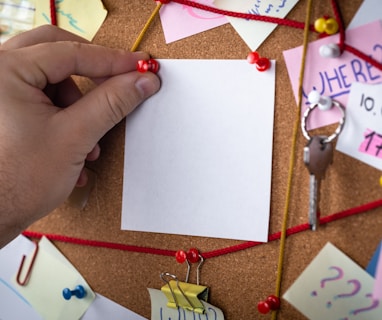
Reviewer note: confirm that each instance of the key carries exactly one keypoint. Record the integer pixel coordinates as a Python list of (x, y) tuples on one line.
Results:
[(318, 155)]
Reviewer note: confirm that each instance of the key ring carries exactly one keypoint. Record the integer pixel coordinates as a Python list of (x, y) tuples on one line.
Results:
[(335, 134)]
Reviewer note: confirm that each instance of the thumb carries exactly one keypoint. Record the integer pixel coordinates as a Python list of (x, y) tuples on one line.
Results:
[(102, 108)]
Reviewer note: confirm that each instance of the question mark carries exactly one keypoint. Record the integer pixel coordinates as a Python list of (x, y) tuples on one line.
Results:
[(338, 276), (374, 304), (357, 287)]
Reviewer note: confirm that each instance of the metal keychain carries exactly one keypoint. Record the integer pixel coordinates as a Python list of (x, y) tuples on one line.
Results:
[(318, 155)]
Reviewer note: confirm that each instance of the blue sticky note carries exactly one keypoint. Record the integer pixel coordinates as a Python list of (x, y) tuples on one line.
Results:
[(372, 266)]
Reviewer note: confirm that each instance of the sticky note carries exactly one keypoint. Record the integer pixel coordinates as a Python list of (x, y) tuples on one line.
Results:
[(83, 18), (160, 311), (16, 16), (361, 137), (180, 21), (51, 273), (12, 304), (334, 76), (198, 154), (377, 292), (334, 287), (255, 32)]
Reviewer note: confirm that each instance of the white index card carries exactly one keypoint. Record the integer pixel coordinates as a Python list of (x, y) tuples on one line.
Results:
[(198, 154)]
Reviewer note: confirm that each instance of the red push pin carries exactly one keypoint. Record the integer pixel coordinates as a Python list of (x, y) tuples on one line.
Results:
[(193, 255), (262, 64), (181, 256), (271, 303), (148, 65)]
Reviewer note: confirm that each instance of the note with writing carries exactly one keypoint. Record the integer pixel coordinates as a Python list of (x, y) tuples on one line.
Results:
[(255, 32), (361, 137), (377, 293), (52, 272), (334, 76), (180, 21), (16, 16), (160, 311), (334, 287), (198, 154), (83, 18)]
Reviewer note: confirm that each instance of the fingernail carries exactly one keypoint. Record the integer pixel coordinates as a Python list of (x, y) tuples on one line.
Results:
[(147, 85)]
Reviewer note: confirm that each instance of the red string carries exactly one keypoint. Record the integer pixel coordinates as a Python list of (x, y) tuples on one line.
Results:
[(210, 254), (286, 22), (53, 15), (247, 16)]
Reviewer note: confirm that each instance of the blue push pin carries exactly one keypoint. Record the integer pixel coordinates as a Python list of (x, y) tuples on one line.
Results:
[(79, 292)]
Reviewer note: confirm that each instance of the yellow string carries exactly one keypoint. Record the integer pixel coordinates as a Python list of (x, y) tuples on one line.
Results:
[(146, 26), (292, 156)]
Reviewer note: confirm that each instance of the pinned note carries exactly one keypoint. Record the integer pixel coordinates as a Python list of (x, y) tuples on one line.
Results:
[(51, 273), (16, 16), (180, 21), (334, 287), (198, 154), (160, 311), (12, 304), (255, 32), (333, 77), (83, 18), (361, 137)]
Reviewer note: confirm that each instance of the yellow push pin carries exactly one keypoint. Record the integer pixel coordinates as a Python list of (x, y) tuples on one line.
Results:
[(319, 25), (329, 26), (380, 181)]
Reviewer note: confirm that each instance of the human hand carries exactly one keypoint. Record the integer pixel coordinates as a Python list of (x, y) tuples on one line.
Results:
[(47, 128)]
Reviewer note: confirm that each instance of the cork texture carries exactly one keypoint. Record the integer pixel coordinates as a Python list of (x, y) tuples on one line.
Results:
[(239, 280)]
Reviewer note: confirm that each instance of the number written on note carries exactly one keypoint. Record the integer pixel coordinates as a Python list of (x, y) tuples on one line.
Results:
[(372, 143), (369, 105)]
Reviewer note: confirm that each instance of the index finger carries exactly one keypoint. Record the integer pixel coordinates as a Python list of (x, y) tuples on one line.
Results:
[(53, 62)]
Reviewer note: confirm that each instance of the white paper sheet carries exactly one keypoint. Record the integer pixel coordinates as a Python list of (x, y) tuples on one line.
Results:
[(198, 154)]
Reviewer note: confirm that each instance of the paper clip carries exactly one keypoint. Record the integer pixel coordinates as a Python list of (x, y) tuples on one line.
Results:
[(183, 294), (29, 271)]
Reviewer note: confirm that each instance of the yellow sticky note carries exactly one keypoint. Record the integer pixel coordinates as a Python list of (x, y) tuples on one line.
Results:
[(51, 273), (82, 17)]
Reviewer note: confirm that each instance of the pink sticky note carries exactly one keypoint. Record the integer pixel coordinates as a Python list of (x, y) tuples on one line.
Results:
[(181, 21), (377, 293), (334, 76)]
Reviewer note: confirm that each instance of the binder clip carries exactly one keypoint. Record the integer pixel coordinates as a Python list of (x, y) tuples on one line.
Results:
[(185, 295)]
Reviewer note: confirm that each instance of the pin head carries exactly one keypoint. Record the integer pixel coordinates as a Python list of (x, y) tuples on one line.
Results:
[(148, 65), (328, 26), (181, 256), (78, 292), (330, 50), (193, 255)]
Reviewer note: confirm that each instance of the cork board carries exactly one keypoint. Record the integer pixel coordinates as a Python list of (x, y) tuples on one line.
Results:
[(239, 280)]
